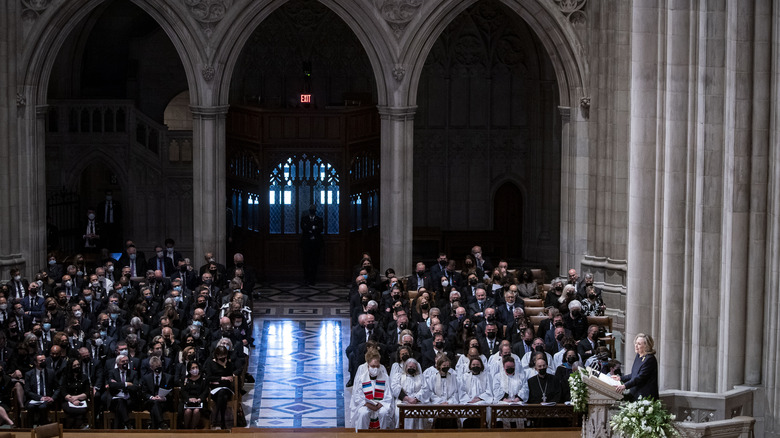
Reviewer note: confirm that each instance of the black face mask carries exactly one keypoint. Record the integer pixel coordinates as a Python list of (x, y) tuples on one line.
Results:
[(476, 370), (539, 348), (472, 281), (559, 337), (510, 370), (404, 358), (402, 326), (439, 345), (425, 306), (445, 370), (543, 373), (571, 359), (412, 371), (370, 326), (491, 335)]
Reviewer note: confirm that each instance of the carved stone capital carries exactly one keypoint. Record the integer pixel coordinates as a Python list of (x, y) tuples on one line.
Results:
[(208, 12), (585, 106), (573, 10), (398, 13), (32, 9), (20, 100)]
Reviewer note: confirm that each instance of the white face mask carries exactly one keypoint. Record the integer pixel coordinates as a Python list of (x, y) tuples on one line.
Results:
[(68, 283), (373, 371), (18, 278), (160, 254), (195, 371), (77, 314), (445, 283), (111, 268)]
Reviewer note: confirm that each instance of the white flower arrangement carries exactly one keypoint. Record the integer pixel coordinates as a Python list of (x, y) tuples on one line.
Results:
[(579, 390), (644, 418)]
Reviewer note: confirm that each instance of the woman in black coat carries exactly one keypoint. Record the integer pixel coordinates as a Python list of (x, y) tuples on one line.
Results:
[(643, 380), (193, 396)]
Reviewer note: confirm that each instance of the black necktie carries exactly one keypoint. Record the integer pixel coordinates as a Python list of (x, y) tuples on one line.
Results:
[(42, 376), (156, 383)]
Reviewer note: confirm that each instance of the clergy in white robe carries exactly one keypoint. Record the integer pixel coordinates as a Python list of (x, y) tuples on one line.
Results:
[(510, 386), (408, 387), (476, 386), (441, 382), (530, 370), (462, 366), (495, 363), (372, 404)]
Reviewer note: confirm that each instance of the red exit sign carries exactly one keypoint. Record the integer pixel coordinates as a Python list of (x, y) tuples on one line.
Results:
[(305, 98)]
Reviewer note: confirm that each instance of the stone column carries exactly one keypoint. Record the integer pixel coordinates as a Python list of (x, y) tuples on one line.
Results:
[(675, 194), (396, 187), (208, 181), (19, 196), (642, 174)]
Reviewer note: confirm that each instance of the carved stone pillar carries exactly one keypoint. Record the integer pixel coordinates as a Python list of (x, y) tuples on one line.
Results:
[(208, 181), (396, 224)]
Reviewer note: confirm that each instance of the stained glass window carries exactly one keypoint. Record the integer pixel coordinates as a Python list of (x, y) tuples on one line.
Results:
[(296, 183)]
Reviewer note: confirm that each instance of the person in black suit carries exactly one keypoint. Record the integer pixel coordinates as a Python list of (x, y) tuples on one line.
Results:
[(41, 390), (490, 342), (121, 390), (476, 309), (311, 243), (480, 260), (587, 347), (17, 286), (437, 270), (159, 262), (643, 380), (109, 216), (135, 261), (90, 240), (150, 386), (171, 253), (24, 321), (421, 278), (505, 311)]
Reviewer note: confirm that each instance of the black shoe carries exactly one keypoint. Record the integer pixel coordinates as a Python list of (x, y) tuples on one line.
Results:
[(249, 378), (350, 383)]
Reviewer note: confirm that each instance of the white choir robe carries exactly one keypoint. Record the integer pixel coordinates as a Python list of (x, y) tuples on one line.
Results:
[(441, 390), (558, 359), (402, 383), (361, 415), (512, 386), (479, 385), (462, 367), (395, 369), (497, 364)]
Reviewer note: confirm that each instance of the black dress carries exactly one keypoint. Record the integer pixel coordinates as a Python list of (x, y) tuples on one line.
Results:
[(643, 380)]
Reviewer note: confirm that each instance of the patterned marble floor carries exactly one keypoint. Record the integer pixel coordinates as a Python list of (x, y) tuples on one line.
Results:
[(298, 362)]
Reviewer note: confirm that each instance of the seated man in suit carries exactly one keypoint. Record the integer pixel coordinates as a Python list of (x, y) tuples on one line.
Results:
[(121, 389), (477, 309), (587, 347), (41, 389), (151, 386), (505, 312)]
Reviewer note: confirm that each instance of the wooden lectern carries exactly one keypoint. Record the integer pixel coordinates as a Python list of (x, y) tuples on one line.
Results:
[(601, 399)]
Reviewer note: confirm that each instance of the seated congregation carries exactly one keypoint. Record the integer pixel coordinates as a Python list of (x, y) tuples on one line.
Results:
[(108, 343), (469, 335)]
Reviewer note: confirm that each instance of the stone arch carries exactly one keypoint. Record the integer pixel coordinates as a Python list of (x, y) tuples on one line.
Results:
[(558, 38), (97, 155), (49, 36), (247, 20)]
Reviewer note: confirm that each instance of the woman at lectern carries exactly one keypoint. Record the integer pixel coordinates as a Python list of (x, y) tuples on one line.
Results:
[(643, 380)]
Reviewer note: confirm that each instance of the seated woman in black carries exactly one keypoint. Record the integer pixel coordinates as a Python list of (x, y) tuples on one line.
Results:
[(643, 380), (220, 373), (194, 393), (75, 387)]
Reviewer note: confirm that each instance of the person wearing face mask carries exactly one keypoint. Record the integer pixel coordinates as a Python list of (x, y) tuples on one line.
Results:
[(17, 286), (571, 363), (220, 375), (543, 387), (372, 403), (556, 291), (155, 392), (193, 395), (442, 384), (576, 321), (403, 354), (160, 262), (592, 304), (421, 278), (538, 347), (509, 386), (33, 303), (495, 361), (54, 269), (122, 389), (408, 386), (464, 360), (90, 240), (41, 389), (476, 387), (312, 227), (74, 387)]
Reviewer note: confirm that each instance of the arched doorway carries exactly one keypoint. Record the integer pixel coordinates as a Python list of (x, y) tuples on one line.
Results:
[(302, 100), (487, 102), (508, 218)]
